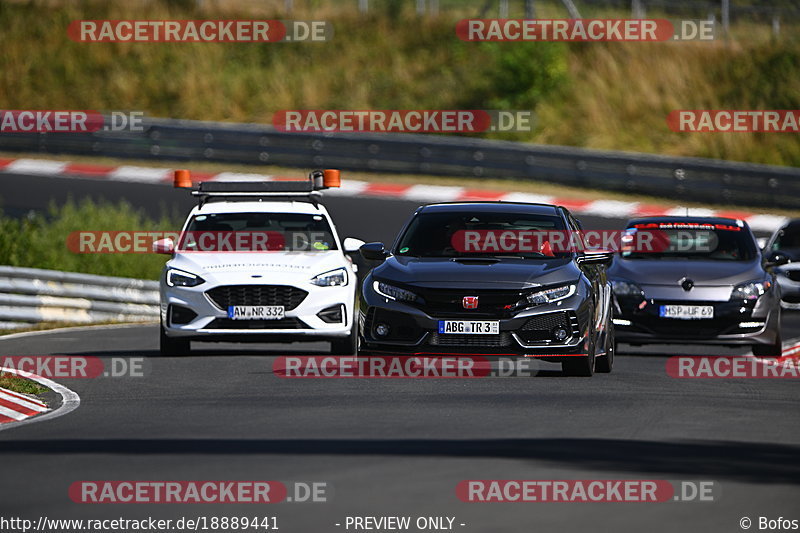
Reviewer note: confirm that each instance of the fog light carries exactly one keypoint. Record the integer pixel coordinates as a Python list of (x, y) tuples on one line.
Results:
[(180, 315), (331, 315), (382, 330), (560, 333)]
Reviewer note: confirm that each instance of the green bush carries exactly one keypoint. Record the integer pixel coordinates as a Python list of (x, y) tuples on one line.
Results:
[(40, 240)]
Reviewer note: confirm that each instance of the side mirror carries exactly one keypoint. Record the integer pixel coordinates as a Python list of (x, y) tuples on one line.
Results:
[(164, 246), (597, 257), (776, 259), (373, 251), (352, 245)]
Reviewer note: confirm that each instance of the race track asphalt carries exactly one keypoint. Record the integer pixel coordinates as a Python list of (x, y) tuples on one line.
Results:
[(395, 446)]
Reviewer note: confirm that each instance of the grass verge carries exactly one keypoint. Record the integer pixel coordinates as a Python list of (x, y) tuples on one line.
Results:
[(19, 384), (597, 95), (40, 239)]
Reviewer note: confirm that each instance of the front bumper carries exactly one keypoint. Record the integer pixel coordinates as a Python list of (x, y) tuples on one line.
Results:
[(211, 322), (739, 322), (415, 330)]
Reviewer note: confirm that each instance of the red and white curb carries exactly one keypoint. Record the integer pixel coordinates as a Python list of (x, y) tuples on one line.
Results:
[(420, 193), (791, 353), (15, 407)]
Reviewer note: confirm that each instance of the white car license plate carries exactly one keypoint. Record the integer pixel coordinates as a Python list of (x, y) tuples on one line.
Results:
[(255, 312), (470, 327), (687, 312)]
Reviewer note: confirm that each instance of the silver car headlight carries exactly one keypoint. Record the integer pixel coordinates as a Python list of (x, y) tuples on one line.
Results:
[(751, 290), (394, 293), (332, 278), (625, 288), (551, 295), (181, 278)]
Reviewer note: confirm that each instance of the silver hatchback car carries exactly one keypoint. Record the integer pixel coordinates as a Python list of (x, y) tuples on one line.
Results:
[(708, 284), (783, 250)]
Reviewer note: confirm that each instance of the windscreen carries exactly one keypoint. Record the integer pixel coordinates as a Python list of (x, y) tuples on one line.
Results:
[(288, 232), (788, 239), (467, 234), (694, 241)]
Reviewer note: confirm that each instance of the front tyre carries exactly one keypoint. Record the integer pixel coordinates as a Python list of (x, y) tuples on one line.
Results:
[(580, 366), (173, 346), (346, 345), (605, 363), (769, 350)]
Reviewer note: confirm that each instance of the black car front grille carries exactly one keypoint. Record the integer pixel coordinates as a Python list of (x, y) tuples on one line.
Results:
[(689, 329), (449, 303), (285, 295), (540, 328), (481, 341), (727, 316), (283, 323)]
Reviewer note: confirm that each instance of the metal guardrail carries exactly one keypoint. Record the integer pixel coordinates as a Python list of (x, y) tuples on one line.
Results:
[(31, 295), (687, 179)]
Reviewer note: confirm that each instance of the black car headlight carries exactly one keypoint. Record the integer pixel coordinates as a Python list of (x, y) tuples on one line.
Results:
[(626, 289), (333, 278), (394, 293), (181, 278), (551, 295), (751, 290)]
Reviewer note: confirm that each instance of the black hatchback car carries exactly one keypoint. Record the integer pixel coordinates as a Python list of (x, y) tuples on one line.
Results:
[(433, 295), (708, 285)]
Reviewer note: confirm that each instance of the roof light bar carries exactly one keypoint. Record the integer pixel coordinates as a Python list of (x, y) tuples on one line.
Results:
[(318, 180)]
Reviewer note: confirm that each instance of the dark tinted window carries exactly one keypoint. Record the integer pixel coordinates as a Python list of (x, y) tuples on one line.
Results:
[(685, 240), (432, 234), (789, 238)]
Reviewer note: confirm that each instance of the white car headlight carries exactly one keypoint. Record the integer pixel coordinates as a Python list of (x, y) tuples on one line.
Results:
[(551, 295), (751, 290), (181, 278), (620, 287), (332, 278), (394, 293)]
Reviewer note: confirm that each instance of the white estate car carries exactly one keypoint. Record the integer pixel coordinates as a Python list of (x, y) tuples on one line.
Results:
[(299, 287)]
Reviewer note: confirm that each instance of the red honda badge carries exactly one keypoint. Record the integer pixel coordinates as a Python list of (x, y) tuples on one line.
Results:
[(470, 302)]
